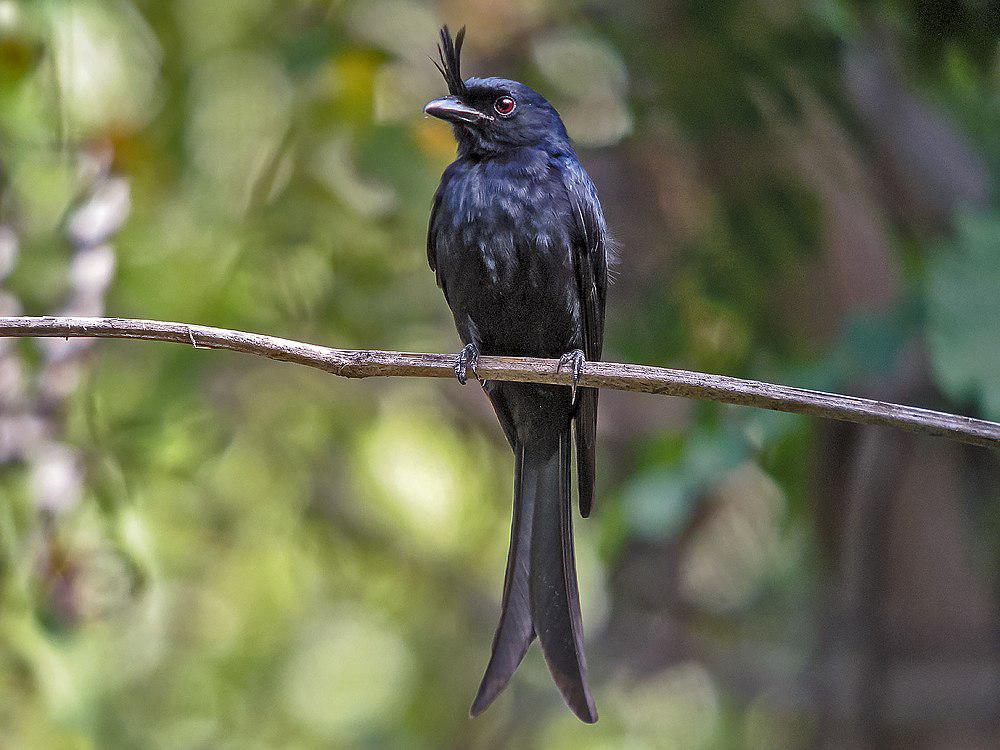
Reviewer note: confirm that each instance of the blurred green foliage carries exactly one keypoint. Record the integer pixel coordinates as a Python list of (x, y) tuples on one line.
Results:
[(963, 300), (269, 557)]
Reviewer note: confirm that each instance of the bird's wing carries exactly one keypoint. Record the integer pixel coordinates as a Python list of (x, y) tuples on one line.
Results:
[(432, 229), (590, 253), (590, 260)]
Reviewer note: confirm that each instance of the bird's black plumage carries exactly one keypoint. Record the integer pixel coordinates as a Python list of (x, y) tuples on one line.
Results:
[(518, 242)]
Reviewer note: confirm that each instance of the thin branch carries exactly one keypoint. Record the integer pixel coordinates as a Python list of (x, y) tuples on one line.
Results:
[(626, 377)]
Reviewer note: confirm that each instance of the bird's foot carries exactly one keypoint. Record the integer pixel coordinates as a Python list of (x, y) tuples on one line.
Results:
[(468, 359), (574, 360)]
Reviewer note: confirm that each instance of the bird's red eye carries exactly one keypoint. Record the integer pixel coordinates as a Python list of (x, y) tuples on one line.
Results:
[(504, 105)]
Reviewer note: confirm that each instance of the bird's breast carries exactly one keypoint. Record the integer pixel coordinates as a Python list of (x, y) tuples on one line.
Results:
[(503, 254), (510, 231)]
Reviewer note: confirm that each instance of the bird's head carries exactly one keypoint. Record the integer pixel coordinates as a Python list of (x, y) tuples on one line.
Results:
[(492, 115)]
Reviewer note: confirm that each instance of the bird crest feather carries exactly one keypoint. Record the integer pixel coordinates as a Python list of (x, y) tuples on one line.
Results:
[(450, 55)]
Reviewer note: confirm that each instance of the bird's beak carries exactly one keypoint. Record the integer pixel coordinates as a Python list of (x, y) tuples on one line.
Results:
[(450, 108)]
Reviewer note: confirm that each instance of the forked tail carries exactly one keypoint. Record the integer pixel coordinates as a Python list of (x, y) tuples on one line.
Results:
[(540, 591)]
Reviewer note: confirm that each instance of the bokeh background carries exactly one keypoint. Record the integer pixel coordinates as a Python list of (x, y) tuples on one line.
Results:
[(206, 550)]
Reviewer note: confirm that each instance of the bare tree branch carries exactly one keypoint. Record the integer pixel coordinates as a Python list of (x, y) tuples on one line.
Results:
[(626, 377)]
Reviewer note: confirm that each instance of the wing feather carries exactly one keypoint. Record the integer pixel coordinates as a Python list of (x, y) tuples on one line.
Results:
[(590, 260)]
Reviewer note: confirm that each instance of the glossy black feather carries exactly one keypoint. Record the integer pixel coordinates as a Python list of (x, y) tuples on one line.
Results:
[(450, 55), (555, 599), (517, 242), (516, 629), (591, 266)]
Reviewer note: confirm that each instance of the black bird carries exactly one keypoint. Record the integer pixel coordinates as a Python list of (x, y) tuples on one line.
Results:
[(518, 242)]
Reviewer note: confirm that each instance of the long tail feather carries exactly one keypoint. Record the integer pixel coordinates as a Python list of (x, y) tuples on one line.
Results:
[(555, 599), (540, 591), (585, 427), (515, 631)]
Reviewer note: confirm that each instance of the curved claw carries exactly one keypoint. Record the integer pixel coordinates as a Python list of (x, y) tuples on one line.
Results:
[(574, 359), (468, 359)]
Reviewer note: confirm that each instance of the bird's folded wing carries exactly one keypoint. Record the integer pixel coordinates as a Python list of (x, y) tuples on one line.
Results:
[(590, 259)]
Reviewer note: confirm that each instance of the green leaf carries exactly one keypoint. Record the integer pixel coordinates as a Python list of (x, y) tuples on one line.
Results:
[(659, 501), (963, 300)]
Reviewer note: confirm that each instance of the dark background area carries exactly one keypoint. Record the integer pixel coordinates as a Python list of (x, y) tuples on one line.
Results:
[(201, 549)]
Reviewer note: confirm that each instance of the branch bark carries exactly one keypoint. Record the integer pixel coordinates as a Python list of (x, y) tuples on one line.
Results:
[(626, 377)]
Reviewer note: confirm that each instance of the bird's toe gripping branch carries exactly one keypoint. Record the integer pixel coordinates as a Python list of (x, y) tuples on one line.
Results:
[(574, 360), (468, 359)]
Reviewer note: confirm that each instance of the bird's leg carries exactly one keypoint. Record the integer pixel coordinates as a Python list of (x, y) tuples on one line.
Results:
[(575, 360), (468, 359)]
